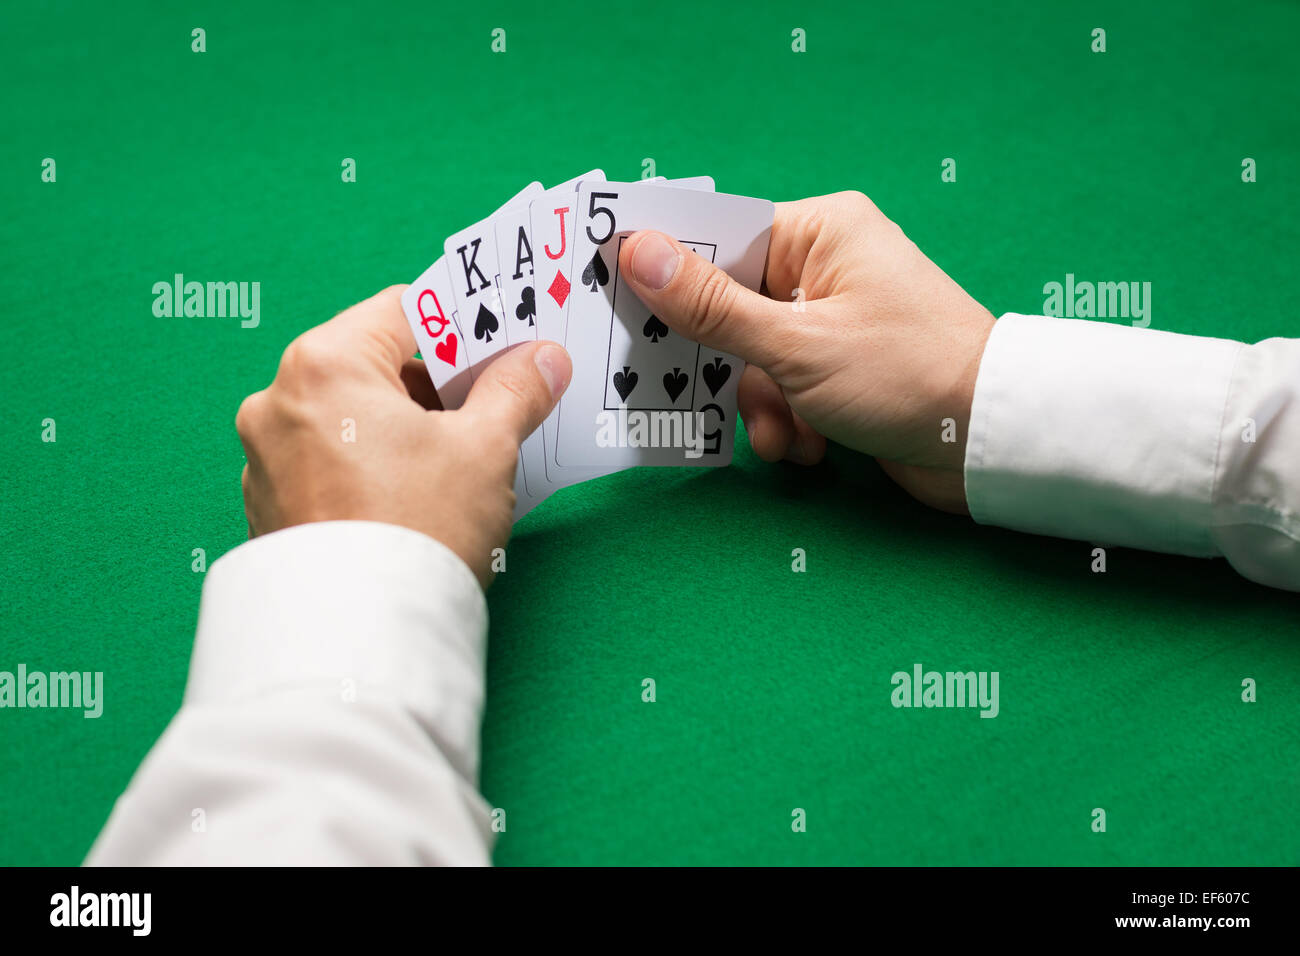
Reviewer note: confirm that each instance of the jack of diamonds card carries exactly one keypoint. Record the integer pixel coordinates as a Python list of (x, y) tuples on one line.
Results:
[(552, 235), (518, 258), (525, 302)]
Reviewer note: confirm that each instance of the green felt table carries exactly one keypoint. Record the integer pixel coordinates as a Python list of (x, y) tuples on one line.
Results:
[(1119, 691)]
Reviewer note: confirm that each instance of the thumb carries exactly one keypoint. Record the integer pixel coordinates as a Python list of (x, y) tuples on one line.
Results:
[(701, 302), (520, 387)]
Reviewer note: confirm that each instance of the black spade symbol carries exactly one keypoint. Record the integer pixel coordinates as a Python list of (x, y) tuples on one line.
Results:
[(485, 324), (674, 382), (654, 329), (595, 275), (624, 382), (715, 375)]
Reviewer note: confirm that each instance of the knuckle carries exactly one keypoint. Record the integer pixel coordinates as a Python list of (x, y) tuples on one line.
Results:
[(715, 300), (249, 414), (856, 200), (306, 357), (852, 207), (520, 386)]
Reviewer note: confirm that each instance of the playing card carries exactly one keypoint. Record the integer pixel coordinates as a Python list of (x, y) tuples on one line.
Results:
[(702, 183), (641, 394), (473, 263), (430, 306), (472, 266), (552, 232), (519, 295), (553, 257), (516, 256)]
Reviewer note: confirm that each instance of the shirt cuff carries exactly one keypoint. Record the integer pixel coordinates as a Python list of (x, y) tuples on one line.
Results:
[(367, 608), (1100, 432)]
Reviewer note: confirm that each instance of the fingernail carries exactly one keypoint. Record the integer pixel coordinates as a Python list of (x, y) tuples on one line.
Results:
[(655, 262), (749, 432), (553, 362)]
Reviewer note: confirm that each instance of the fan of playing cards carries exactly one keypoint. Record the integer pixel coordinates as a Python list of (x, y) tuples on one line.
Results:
[(545, 266)]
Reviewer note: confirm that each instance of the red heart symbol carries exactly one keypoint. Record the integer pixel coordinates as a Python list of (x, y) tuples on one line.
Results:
[(446, 349)]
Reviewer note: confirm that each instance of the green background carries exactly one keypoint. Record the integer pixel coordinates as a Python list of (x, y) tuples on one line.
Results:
[(1119, 691)]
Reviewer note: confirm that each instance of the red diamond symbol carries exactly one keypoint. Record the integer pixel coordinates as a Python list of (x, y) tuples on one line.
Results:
[(559, 290)]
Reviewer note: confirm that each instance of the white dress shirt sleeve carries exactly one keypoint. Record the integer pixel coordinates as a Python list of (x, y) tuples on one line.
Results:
[(332, 711), (1135, 437)]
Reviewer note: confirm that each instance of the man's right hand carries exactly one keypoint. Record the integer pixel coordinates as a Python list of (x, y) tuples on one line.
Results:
[(861, 339)]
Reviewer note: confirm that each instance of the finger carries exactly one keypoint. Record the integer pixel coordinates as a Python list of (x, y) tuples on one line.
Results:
[(701, 302), (808, 446), (768, 419), (419, 386), (793, 232), (519, 389), (806, 236), (243, 486)]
